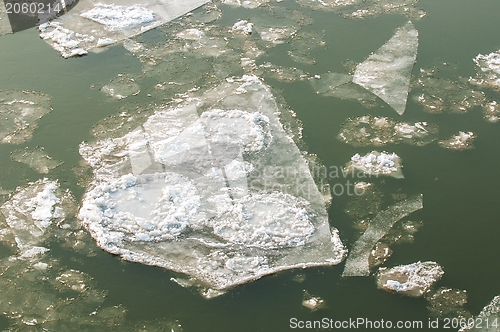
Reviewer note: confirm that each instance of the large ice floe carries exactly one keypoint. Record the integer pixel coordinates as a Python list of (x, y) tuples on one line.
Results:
[(412, 280), (386, 73), (20, 110), (194, 189), (96, 24), (358, 261)]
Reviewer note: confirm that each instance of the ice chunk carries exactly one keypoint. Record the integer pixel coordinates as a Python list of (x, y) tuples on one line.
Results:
[(208, 205), (440, 94), (387, 72), (376, 163), (313, 302), (492, 111), (5, 27), (462, 141), (488, 71), (372, 130), (245, 3), (447, 302), (33, 209), (36, 159), (357, 263), (121, 87), (89, 25), (412, 280), (119, 17), (489, 318), (242, 26), (20, 110)]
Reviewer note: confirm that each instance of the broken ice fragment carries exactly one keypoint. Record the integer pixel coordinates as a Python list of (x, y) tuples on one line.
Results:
[(412, 280), (492, 111), (190, 191), (447, 302), (489, 318), (242, 26), (376, 163), (36, 159), (121, 87), (119, 17), (387, 72), (488, 71), (462, 141), (313, 302), (372, 130), (380, 253), (245, 3), (440, 94), (357, 263), (89, 25), (20, 110)]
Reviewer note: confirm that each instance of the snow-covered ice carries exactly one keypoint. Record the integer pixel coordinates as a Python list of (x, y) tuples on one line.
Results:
[(461, 141), (489, 318), (488, 71), (97, 24), (377, 163), (412, 280), (357, 263), (192, 193), (387, 72), (242, 26), (370, 130), (20, 110)]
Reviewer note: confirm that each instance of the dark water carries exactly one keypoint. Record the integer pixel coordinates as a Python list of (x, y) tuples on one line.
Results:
[(460, 188)]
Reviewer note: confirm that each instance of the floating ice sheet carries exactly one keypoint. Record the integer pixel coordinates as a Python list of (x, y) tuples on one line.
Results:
[(412, 280), (36, 159), (89, 25), (387, 72), (20, 110), (488, 71), (376, 163), (357, 263), (492, 111), (461, 141), (193, 193), (378, 131)]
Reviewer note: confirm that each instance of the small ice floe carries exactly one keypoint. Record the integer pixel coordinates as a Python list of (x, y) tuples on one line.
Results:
[(378, 131), (358, 261), (193, 190), (387, 72), (242, 26), (191, 34), (447, 302), (276, 35), (462, 141), (36, 159), (20, 110), (115, 17), (439, 95), (412, 280), (488, 71), (245, 3), (121, 87), (313, 303), (91, 25), (488, 319), (376, 163), (492, 111), (282, 74)]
